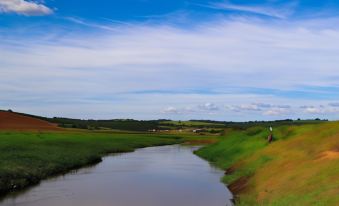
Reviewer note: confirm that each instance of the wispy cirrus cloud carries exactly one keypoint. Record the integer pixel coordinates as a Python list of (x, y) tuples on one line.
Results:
[(331, 108), (261, 108), (277, 11), (276, 112), (206, 108), (108, 27), (23, 7)]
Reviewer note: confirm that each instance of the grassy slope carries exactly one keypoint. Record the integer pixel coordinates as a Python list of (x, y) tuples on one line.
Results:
[(28, 157), (300, 168)]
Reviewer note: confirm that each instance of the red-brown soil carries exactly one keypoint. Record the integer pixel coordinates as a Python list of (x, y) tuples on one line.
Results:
[(239, 186), (13, 121)]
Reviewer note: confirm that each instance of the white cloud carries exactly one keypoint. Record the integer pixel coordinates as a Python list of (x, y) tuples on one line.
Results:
[(229, 57), (275, 112), (222, 53), (264, 108), (249, 107), (171, 110), (28, 8), (179, 111), (283, 106), (334, 104), (313, 110), (232, 108), (321, 109), (208, 107), (263, 105)]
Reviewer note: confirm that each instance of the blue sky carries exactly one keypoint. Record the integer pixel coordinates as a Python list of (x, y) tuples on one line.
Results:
[(146, 59)]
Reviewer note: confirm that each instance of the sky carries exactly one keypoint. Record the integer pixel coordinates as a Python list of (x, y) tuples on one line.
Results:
[(230, 60)]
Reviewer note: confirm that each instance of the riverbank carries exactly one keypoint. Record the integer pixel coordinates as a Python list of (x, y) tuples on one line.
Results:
[(28, 157), (300, 167)]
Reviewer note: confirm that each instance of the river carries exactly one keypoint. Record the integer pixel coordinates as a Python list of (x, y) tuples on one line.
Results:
[(154, 176)]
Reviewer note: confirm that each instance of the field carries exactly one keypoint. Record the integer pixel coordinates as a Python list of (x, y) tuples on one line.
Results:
[(300, 167), (30, 156)]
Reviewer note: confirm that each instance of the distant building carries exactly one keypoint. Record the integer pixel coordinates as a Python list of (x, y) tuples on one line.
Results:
[(197, 130)]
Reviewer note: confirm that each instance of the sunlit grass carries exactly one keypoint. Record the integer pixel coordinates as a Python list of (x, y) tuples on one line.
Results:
[(300, 167)]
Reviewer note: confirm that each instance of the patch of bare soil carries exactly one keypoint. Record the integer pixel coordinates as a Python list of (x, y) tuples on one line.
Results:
[(230, 170), (13, 121), (239, 186)]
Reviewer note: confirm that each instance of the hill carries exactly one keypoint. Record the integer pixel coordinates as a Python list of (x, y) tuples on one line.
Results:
[(300, 167), (15, 121)]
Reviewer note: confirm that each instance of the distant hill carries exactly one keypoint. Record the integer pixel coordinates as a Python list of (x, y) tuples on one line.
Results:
[(161, 124), (14, 121), (116, 124)]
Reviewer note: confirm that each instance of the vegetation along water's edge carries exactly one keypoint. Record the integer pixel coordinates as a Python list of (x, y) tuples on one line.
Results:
[(300, 167), (28, 157)]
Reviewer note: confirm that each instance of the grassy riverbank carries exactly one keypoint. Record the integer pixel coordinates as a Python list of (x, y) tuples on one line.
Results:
[(300, 167), (28, 157)]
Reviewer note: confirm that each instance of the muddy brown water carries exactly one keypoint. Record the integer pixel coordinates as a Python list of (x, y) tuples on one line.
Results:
[(155, 176)]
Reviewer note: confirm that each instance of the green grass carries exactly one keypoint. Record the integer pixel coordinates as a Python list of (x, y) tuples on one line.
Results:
[(237, 145), (28, 157), (300, 167)]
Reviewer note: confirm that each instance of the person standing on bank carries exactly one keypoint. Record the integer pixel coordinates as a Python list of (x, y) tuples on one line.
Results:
[(270, 136)]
